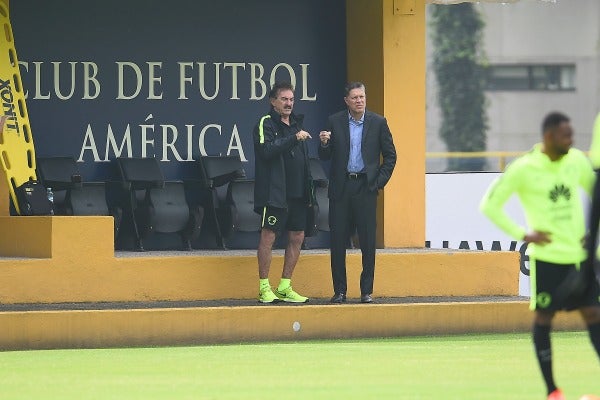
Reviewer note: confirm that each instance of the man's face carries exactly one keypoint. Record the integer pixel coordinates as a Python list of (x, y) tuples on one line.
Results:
[(356, 101), (562, 138), (284, 103)]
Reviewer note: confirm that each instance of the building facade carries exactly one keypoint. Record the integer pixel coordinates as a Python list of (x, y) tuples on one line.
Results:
[(541, 57)]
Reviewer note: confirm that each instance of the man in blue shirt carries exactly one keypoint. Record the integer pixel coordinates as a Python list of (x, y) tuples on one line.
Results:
[(362, 153)]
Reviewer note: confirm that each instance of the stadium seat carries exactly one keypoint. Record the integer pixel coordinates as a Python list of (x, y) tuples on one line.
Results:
[(153, 206), (230, 200), (318, 220), (72, 195), (245, 223)]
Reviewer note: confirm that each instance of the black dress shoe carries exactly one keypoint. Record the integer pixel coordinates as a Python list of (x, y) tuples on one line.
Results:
[(366, 298), (338, 298)]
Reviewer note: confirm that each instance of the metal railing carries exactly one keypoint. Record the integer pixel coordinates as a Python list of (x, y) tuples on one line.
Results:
[(503, 157)]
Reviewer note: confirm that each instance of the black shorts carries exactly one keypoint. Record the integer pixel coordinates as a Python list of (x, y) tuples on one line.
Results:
[(291, 219), (546, 278)]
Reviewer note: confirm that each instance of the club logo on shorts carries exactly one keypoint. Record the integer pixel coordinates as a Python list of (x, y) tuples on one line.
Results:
[(272, 220), (543, 299)]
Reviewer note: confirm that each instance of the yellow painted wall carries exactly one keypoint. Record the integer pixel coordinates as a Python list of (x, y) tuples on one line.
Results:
[(185, 326), (386, 51), (74, 262)]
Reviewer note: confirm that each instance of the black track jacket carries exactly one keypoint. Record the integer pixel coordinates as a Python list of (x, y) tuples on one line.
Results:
[(269, 147)]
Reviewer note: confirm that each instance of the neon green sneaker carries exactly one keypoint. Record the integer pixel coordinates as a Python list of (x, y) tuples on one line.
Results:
[(288, 295), (266, 295)]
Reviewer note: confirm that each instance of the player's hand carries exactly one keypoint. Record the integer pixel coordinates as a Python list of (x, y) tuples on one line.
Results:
[(303, 135), (325, 136), (538, 237)]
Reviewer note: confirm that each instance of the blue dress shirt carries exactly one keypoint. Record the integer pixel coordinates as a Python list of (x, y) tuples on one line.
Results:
[(355, 161)]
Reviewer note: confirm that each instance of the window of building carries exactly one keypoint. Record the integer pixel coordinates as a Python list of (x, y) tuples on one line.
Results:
[(531, 77)]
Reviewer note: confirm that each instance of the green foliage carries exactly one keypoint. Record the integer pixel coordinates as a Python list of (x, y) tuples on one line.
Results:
[(457, 35)]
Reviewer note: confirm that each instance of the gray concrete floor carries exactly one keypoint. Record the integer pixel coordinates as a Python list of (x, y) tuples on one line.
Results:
[(245, 303)]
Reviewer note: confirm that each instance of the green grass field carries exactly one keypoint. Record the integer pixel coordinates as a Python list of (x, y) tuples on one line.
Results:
[(453, 367)]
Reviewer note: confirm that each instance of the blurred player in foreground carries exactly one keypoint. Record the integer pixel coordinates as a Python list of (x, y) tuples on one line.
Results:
[(547, 181)]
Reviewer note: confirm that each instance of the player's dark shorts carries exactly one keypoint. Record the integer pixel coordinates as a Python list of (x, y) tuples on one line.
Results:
[(291, 219), (546, 277)]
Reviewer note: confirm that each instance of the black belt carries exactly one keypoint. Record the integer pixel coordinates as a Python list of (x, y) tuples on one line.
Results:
[(355, 175)]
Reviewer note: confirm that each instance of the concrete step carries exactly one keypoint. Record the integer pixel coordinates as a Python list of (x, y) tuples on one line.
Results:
[(126, 324)]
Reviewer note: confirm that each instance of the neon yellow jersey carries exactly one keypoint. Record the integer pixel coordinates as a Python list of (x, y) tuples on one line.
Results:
[(595, 146), (549, 193)]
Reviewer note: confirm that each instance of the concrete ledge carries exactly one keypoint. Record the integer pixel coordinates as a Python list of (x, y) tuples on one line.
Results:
[(56, 237), (79, 265), (209, 325)]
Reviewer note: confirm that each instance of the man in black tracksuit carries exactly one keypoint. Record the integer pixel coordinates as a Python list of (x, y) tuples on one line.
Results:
[(283, 189)]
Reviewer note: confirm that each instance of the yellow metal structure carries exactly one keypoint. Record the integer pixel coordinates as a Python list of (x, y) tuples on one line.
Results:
[(385, 47), (17, 154)]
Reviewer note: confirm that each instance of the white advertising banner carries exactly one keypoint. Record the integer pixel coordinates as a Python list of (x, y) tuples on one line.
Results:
[(478, 1), (453, 220)]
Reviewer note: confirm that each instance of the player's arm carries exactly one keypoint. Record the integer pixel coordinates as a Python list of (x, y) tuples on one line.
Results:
[(492, 204), (588, 177), (268, 143), (587, 180), (594, 216), (595, 146)]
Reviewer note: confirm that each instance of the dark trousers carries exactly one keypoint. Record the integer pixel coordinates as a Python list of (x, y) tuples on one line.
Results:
[(356, 208)]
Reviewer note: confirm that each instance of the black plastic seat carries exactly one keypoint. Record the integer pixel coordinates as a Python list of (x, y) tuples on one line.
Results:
[(318, 221), (72, 195), (87, 200), (154, 206), (216, 175), (240, 195), (245, 224), (59, 173), (172, 211), (217, 171)]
